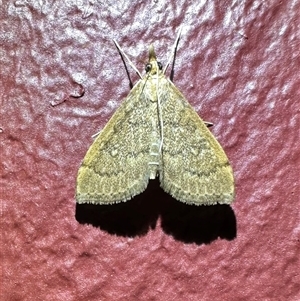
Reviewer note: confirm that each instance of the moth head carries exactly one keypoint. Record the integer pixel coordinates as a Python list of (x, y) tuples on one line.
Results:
[(153, 66)]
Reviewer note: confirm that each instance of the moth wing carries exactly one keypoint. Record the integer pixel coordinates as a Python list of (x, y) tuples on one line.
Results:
[(195, 168), (115, 168)]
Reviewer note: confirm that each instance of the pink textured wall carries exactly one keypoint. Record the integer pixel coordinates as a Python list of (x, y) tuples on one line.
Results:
[(238, 64)]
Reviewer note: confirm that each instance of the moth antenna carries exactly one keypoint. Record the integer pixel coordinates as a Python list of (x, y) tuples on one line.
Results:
[(173, 50), (128, 59)]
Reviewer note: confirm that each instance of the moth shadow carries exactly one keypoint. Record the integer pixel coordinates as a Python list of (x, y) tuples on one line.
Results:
[(187, 223), (132, 218), (198, 224)]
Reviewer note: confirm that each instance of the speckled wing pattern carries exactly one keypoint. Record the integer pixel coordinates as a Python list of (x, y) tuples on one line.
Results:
[(195, 167), (115, 168), (155, 132)]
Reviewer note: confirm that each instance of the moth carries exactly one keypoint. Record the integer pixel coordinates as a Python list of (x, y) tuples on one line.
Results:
[(155, 133)]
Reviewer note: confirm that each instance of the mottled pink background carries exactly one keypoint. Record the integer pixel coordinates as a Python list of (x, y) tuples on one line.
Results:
[(61, 80)]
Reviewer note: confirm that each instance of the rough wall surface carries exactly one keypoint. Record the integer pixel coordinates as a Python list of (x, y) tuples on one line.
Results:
[(61, 78)]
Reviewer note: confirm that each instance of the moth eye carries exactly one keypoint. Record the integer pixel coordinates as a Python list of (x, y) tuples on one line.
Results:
[(159, 65), (148, 67)]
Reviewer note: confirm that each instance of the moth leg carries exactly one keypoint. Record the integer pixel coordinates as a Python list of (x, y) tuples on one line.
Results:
[(208, 124), (95, 135)]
